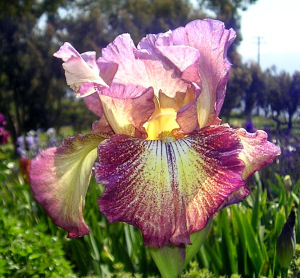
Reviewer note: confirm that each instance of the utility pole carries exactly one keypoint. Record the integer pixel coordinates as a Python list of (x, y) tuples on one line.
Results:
[(258, 49)]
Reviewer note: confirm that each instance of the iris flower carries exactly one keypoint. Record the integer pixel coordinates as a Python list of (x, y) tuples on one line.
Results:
[(167, 162)]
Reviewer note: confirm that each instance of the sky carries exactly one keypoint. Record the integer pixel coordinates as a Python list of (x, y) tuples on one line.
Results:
[(278, 23)]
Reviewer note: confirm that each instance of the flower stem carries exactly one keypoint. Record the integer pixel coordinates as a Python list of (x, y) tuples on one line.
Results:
[(284, 272), (169, 260)]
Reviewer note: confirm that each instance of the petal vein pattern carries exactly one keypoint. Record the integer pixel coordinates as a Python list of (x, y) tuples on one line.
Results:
[(135, 68), (60, 178), (168, 189)]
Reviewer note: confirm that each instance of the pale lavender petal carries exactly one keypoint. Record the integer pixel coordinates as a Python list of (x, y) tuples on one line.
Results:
[(211, 39), (187, 115), (94, 104), (134, 68), (128, 109), (108, 70), (185, 58), (80, 69)]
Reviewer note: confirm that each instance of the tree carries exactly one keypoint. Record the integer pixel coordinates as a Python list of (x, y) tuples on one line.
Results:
[(293, 98), (256, 89), (26, 70), (278, 86), (239, 82), (100, 21), (229, 12)]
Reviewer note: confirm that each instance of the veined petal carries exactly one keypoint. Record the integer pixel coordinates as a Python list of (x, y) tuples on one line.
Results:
[(185, 58), (102, 127), (94, 104), (80, 69), (59, 180), (202, 44), (134, 67), (237, 196), (168, 189), (257, 151), (212, 40), (206, 43), (129, 108)]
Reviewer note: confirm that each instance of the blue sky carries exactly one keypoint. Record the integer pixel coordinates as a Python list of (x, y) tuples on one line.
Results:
[(278, 23)]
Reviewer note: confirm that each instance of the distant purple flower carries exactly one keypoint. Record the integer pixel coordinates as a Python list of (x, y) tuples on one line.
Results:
[(249, 126), (51, 132), (22, 152), (30, 141), (2, 120), (3, 136), (33, 143), (21, 149), (52, 139), (21, 141), (3, 133), (30, 144)]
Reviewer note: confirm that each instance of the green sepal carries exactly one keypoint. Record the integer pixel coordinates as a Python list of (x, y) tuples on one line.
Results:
[(169, 260), (197, 240)]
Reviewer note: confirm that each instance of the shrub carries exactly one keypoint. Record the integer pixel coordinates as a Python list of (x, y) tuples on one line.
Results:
[(29, 251)]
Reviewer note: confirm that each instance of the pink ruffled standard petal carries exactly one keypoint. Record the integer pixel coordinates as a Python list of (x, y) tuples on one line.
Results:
[(212, 40), (81, 70), (206, 43), (136, 68), (59, 179), (168, 189)]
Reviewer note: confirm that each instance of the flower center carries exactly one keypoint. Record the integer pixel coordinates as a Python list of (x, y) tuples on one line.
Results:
[(161, 122)]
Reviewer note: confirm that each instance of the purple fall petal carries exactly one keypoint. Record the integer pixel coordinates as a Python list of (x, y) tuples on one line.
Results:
[(257, 151), (169, 189)]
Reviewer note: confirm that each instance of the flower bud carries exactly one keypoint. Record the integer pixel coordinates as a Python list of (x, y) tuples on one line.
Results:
[(286, 242), (287, 182)]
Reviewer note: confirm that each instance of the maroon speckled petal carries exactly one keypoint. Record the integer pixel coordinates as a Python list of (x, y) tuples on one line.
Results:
[(169, 189), (59, 178), (257, 150)]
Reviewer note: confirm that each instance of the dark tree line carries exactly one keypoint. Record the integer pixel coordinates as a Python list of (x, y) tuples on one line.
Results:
[(31, 82), (275, 94)]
